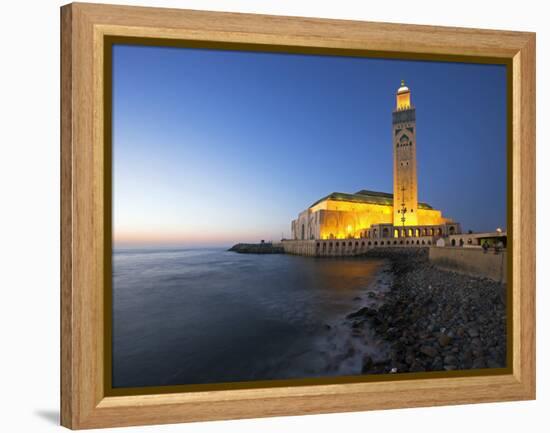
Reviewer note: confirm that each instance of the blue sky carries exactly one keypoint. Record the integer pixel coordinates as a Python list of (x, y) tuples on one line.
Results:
[(213, 147)]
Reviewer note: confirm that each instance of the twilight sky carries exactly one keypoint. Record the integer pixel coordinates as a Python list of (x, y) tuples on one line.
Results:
[(215, 147)]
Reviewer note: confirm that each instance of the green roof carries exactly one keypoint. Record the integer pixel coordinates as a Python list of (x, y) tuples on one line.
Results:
[(366, 196)]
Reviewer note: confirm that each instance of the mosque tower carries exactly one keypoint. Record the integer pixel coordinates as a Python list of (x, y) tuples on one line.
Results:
[(405, 184)]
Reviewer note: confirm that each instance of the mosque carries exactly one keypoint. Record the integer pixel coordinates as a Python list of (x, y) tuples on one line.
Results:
[(370, 218)]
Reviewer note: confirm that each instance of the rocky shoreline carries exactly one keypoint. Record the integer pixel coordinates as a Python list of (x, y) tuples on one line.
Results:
[(433, 320)]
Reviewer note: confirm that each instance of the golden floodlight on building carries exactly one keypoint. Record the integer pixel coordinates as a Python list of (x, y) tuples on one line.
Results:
[(380, 216)]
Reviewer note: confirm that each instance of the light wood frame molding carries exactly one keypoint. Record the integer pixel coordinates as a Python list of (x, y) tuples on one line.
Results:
[(84, 403)]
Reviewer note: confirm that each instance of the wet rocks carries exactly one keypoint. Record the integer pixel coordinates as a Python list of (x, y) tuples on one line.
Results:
[(428, 351), (444, 340), (368, 364), (435, 320), (473, 332), (362, 312)]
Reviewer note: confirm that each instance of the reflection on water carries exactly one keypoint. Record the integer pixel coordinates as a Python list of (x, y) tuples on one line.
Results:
[(208, 316)]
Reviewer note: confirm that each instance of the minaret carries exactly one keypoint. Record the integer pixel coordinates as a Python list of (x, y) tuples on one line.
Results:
[(405, 186)]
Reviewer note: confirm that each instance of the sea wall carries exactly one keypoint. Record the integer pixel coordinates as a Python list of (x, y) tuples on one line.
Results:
[(351, 247), (301, 248), (471, 261)]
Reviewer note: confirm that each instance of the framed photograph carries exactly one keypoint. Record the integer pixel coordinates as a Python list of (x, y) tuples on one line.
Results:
[(267, 215)]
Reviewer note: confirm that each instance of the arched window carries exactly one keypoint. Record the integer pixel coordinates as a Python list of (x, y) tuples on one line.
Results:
[(375, 242), (385, 232), (396, 233), (382, 243), (453, 243), (370, 243)]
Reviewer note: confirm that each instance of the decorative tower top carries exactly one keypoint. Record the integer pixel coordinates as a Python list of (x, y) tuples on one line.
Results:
[(403, 97)]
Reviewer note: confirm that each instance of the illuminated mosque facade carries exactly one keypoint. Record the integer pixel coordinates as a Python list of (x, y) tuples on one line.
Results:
[(374, 218)]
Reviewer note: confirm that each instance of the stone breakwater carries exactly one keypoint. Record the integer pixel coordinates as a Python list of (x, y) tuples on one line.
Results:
[(434, 320), (263, 248)]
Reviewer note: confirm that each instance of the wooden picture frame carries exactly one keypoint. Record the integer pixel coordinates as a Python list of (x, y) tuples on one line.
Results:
[(85, 215)]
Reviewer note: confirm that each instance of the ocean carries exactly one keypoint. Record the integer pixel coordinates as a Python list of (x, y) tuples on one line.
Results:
[(196, 316)]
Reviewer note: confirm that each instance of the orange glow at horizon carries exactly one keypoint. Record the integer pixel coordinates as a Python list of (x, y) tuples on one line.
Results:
[(121, 237)]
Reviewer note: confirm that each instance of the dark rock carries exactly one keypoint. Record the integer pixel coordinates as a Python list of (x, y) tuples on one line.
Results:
[(437, 364), (428, 351), (368, 364), (365, 311), (450, 360), (444, 340), (381, 361), (479, 363), (473, 332), (392, 333), (416, 367), (491, 363), (476, 342)]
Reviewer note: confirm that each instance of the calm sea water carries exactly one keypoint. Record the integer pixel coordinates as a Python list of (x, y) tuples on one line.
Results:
[(209, 316)]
